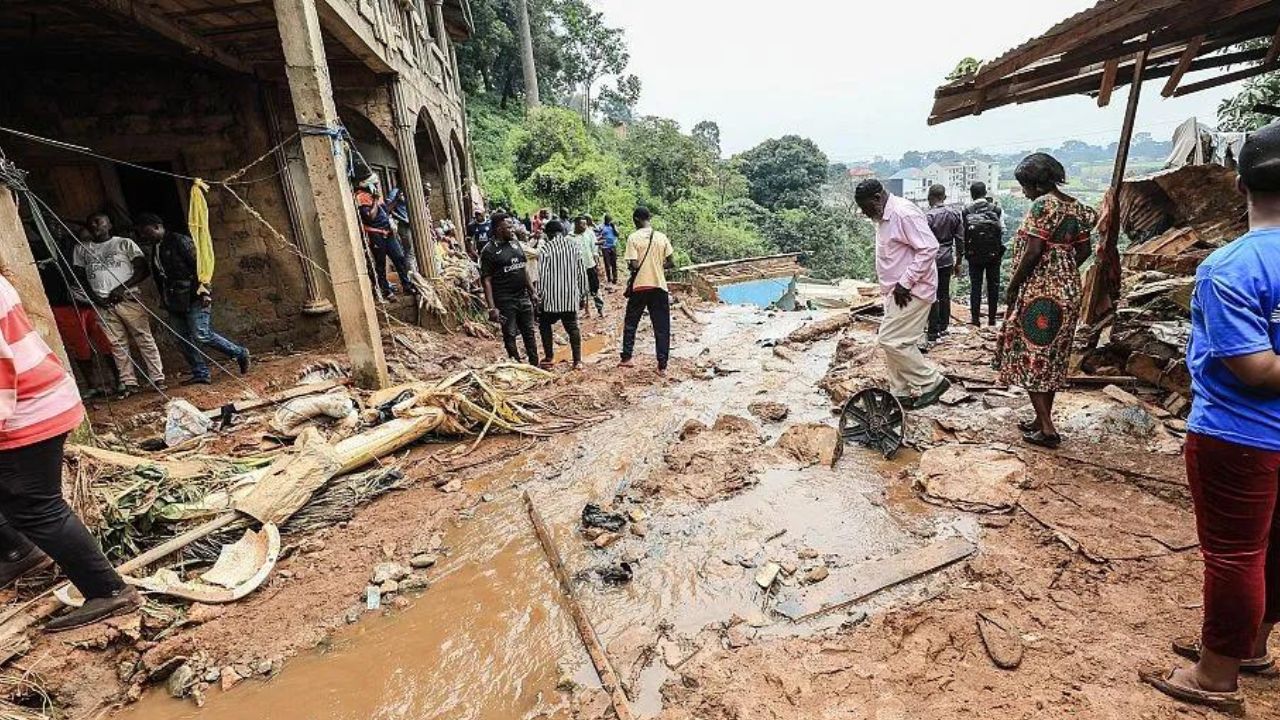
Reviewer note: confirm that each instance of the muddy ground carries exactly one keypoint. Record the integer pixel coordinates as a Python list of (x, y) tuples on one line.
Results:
[(1085, 564)]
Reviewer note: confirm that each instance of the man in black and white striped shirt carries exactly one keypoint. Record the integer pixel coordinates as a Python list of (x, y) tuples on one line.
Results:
[(564, 290)]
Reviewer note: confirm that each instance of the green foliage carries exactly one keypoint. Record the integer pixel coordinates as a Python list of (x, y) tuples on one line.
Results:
[(669, 162), (707, 236), (707, 132), (549, 132), (964, 69), (786, 172), (617, 104), (1236, 114)]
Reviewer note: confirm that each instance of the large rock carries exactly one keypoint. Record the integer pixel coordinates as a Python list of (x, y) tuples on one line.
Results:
[(973, 477), (811, 443)]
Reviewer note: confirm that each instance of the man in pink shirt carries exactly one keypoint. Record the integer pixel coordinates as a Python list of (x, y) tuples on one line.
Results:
[(906, 264)]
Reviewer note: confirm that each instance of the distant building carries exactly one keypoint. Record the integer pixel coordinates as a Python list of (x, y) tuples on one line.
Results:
[(910, 184), (858, 174), (957, 177)]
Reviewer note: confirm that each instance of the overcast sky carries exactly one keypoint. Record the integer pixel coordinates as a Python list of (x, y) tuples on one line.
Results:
[(858, 77)]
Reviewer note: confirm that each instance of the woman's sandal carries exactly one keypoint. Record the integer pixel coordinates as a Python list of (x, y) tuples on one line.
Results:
[(1039, 439), (1231, 703), (1189, 648)]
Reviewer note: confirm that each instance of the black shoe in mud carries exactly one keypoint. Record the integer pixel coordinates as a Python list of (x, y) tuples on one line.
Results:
[(11, 570), (122, 602), (932, 396), (243, 362)]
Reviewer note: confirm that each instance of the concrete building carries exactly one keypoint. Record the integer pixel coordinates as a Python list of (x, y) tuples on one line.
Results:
[(909, 183), (204, 88), (958, 177)]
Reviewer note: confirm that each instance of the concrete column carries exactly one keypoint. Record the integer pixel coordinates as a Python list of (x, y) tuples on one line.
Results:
[(442, 42), (18, 266), (405, 121), (308, 74), (306, 235)]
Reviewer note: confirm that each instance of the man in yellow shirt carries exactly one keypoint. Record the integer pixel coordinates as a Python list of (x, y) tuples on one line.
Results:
[(648, 256)]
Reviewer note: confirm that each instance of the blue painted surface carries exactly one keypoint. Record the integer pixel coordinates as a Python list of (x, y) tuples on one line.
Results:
[(761, 293)]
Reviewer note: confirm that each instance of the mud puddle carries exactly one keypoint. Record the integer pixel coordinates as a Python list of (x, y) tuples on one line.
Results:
[(490, 639)]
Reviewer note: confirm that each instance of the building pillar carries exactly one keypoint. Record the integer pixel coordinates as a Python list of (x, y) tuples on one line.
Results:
[(18, 266), (406, 121), (307, 243), (442, 43), (308, 75)]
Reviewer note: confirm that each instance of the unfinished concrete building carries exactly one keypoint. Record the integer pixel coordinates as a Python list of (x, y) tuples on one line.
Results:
[(204, 88)]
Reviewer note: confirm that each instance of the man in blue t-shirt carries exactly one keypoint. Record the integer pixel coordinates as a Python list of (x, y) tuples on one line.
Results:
[(1233, 447), (608, 233)]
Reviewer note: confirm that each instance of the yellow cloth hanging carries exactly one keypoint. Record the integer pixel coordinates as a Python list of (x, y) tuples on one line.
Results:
[(198, 224)]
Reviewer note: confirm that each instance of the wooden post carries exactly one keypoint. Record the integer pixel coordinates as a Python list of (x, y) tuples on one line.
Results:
[(608, 678), (405, 121), (1102, 282), (18, 266), (308, 74)]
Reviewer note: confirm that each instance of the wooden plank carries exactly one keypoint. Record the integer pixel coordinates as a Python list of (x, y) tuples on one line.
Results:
[(1100, 380), (242, 406), (1109, 72), (166, 29), (1184, 64), (1224, 79), (608, 678), (1102, 283), (181, 469), (877, 575), (1174, 242)]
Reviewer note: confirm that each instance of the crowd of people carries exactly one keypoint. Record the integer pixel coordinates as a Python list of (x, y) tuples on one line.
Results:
[(94, 284), (548, 268), (1233, 442)]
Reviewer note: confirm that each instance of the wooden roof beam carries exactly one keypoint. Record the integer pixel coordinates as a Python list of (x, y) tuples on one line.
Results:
[(1108, 82), (159, 26), (1223, 79), (1184, 64)]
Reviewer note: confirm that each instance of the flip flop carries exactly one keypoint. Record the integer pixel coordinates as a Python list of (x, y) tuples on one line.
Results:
[(1189, 648), (1039, 439), (1231, 703)]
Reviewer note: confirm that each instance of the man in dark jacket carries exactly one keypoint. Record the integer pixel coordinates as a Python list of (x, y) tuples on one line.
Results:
[(190, 305), (984, 249), (947, 224)]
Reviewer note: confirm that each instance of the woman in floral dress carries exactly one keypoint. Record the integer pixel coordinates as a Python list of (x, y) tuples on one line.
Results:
[(1044, 294)]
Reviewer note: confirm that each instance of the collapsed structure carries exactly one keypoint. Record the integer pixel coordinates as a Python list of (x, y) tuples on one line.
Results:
[(258, 99)]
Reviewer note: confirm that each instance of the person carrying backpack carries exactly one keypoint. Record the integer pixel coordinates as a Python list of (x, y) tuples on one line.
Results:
[(984, 249)]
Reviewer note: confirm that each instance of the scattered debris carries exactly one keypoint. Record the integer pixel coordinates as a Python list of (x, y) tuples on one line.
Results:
[(768, 575), (811, 444), (593, 516), (771, 412), (1001, 639)]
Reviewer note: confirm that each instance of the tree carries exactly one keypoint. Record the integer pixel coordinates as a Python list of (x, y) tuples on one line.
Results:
[(549, 132), (785, 172), (707, 132), (670, 162), (1236, 114), (591, 49), (618, 104), (913, 159), (531, 95)]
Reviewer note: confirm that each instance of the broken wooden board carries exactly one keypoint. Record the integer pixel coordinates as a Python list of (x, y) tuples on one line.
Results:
[(177, 469), (242, 406), (874, 576)]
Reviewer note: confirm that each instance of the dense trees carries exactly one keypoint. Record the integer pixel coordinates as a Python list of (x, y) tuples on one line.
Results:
[(606, 160), (787, 172)]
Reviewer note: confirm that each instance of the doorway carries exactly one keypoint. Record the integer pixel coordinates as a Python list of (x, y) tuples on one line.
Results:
[(150, 192)]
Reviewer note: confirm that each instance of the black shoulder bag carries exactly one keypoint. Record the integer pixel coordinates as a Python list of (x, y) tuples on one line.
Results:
[(631, 279)]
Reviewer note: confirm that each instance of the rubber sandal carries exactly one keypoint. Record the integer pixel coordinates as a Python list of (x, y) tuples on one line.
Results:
[(1231, 703), (1189, 648), (1039, 439)]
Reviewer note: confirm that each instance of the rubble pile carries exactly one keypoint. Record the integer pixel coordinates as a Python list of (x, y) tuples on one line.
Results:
[(1147, 337)]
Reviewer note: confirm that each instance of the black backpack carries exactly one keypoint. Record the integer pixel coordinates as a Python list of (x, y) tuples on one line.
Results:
[(983, 231)]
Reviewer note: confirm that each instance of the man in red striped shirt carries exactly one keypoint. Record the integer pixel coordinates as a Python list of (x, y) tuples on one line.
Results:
[(39, 407)]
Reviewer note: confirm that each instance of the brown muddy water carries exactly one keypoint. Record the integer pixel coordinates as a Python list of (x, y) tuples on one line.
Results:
[(490, 640)]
